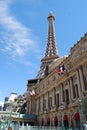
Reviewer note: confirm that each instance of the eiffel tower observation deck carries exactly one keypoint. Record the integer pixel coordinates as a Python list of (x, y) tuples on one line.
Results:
[(51, 52)]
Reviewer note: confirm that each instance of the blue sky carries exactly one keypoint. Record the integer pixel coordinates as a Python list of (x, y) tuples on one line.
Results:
[(23, 37)]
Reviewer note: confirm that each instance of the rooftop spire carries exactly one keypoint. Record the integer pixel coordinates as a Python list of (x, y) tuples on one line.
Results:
[(51, 48)]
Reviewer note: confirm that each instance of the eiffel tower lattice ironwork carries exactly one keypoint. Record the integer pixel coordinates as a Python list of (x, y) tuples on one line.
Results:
[(51, 50)]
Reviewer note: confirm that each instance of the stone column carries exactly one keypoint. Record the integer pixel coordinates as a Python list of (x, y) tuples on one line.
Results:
[(71, 88), (79, 84), (37, 109), (27, 107), (39, 104), (47, 100), (81, 79), (69, 91), (61, 94), (42, 104), (30, 107), (53, 97), (36, 106)]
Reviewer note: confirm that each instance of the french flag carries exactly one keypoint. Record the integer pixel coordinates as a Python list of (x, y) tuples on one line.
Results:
[(32, 93), (60, 70)]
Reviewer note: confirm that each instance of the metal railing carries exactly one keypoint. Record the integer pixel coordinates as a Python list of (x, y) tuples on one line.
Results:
[(16, 127)]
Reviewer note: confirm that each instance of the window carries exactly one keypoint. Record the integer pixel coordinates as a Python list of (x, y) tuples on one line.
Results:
[(77, 94), (50, 102), (67, 96), (44, 105), (57, 99), (74, 93), (63, 96), (85, 80)]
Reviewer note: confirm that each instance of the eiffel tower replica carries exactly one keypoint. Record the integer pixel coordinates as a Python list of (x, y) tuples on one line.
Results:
[(51, 50)]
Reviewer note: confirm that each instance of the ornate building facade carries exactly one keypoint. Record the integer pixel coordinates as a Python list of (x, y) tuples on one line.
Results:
[(60, 84)]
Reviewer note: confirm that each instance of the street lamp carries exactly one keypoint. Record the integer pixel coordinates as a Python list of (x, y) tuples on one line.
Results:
[(62, 108), (81, 111), (19, 112), (19, 118)]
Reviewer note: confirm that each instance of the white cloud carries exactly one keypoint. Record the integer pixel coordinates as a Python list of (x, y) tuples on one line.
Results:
[(17, 39), (1, 103)]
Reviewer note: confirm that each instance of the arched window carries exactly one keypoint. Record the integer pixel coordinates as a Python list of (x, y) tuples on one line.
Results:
[(48, 121), (76, 88), (65, 119), (76, 116), (56, 121), (42, 121)]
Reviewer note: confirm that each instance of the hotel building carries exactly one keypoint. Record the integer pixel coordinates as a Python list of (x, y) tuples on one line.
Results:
[(57, 92)]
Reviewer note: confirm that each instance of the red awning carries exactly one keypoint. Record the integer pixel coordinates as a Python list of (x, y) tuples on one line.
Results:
[(76, 116), (55, 119), (65, 118), (48, 119)]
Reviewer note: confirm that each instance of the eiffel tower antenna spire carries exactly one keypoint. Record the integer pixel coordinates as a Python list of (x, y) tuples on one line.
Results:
[(51, 49), (51, 52)]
